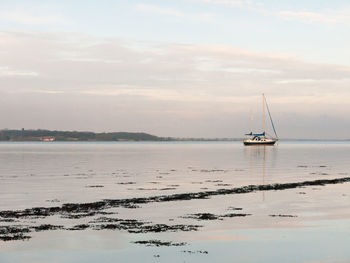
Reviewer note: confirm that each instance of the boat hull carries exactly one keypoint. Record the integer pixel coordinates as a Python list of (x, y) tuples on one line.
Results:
[(250, 143)]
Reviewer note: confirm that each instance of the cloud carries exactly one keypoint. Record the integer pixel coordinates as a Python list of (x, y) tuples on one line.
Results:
[(110, 64), (161, 87), (229, 2), (7, 72), (159, 10), (27, 18), (165, 11), (329, 17)]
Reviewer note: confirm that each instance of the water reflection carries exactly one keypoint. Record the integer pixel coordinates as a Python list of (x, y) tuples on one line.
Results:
[(259, 158)]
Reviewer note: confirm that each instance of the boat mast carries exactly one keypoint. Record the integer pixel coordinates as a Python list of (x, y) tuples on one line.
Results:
[(273, 126), (251, 120), (263, 105)]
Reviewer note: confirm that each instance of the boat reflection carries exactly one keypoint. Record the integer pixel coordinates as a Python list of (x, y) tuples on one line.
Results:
[(261, 160)]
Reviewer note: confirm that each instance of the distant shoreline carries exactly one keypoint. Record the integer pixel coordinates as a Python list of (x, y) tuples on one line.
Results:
[(23, 135)]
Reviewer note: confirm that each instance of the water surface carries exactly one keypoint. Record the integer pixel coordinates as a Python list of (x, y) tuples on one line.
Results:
[(317, 228)]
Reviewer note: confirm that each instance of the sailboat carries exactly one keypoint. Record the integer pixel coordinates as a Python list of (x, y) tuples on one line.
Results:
[(262, 138)]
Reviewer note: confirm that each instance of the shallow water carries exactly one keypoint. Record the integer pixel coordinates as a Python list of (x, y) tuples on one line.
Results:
[(315, 226)]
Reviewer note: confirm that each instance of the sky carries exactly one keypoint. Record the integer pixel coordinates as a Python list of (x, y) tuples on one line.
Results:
[(185, 68)]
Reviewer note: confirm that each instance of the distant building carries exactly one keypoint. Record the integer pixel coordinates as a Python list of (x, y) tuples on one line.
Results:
[(47, 139)]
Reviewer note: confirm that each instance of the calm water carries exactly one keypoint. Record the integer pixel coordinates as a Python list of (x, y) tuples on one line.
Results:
[(51, 174)]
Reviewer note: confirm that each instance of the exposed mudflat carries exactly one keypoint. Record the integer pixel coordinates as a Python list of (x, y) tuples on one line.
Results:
[(89, 209), (86, 210)]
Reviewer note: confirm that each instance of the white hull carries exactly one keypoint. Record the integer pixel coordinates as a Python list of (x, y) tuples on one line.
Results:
[(262, 141)]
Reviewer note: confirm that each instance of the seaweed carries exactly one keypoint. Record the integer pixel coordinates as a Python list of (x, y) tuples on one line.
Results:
[(209, 216), (158, 243), (82, 210), (135, 202), (280, 215)]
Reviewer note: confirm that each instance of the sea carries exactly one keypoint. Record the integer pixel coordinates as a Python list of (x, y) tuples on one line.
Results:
[(171, 202)]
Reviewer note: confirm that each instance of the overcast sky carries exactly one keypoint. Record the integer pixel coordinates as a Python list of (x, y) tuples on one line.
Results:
[(185, 68)]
